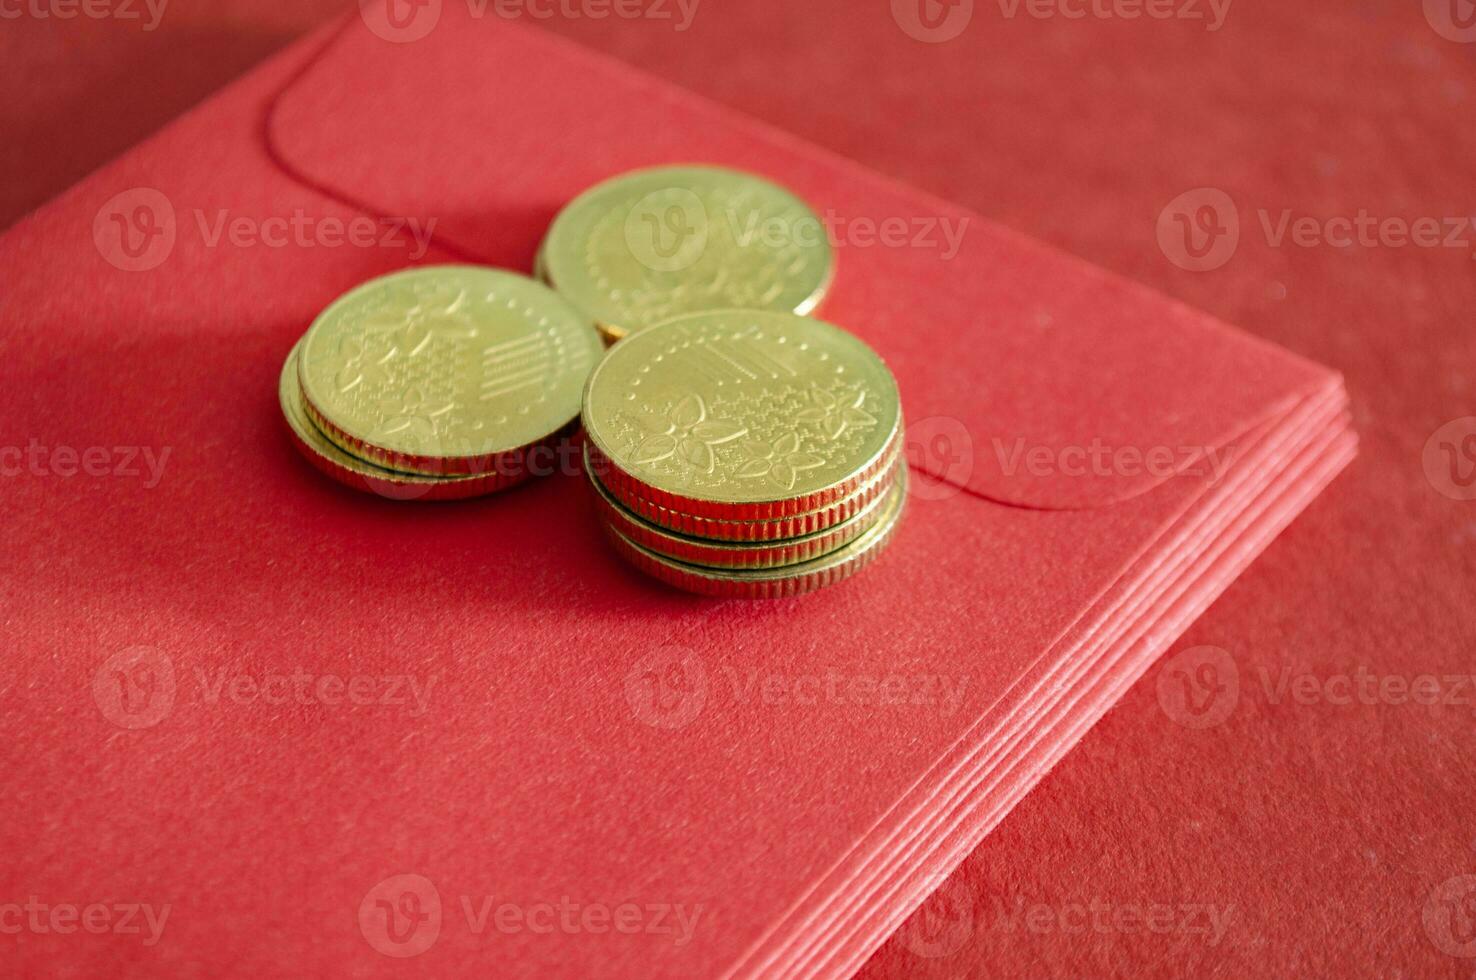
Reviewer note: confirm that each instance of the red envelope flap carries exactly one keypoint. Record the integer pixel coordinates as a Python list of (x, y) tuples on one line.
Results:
[(1029, 377)]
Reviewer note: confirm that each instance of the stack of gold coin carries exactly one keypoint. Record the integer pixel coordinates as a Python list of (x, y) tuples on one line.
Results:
[(437, 383), (745, 453), (656, 244)]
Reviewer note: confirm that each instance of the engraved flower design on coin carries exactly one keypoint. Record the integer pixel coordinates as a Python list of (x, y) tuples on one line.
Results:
[(415, 312), (686, 431), (656, 244), (361, 365), (409, 412), (835, 416), (781, 461)]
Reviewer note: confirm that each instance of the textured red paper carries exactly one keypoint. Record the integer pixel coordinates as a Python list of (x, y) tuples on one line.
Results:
[(1330, 830), (215, 354)]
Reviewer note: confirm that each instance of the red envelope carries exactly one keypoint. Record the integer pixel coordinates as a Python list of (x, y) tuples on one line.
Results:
[(328, 731)]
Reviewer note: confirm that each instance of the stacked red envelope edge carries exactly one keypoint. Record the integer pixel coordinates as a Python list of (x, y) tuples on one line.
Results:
[(1217, 543), (780, 820)]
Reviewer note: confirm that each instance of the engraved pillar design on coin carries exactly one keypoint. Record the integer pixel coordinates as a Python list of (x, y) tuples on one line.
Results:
[(670, 241), (446, 369)]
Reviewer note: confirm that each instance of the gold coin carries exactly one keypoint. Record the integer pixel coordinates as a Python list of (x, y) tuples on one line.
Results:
[(752, 531), (539, 271), (741, 415), (727, 554), (656, 244), (446, 370), (774, 583), (607, 335), (354, 472)]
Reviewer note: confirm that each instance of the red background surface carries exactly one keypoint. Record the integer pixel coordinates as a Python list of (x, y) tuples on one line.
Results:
[(1325, 828)]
